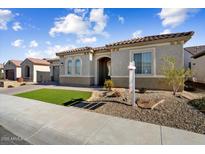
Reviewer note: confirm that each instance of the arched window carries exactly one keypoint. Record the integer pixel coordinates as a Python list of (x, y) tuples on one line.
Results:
[(69, 67), (77, 66)]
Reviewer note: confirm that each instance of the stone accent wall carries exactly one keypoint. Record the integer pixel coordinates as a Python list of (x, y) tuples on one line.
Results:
[(77, 81)]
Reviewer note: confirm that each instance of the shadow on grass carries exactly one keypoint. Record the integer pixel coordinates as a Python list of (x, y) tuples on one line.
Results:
[(73, 102), (81, 103)]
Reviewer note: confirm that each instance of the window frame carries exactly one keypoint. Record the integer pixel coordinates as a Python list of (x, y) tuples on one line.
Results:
[(69, 60), (78, 58), (153, 60)]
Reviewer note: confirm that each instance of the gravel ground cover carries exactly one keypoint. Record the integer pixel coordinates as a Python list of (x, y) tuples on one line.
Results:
[(173, 112)]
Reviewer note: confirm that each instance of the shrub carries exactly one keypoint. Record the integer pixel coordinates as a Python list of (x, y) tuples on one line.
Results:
[(20, 79), (174, 76), (23, 84), (198, 104), (108, 85), (142, 90), (10, 86)]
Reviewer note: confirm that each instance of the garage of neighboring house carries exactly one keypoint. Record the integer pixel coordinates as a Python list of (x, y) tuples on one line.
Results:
[(54, 69), (12, 69), (35, 70)]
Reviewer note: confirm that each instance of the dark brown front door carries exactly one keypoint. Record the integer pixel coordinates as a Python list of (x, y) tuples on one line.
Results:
[(10, 74), (103, 70)]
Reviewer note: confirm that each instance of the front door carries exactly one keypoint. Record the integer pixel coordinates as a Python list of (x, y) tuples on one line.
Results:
[(103, 70)]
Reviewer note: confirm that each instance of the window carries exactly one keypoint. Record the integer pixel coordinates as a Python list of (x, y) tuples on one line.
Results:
[(143, 63), (69, 67), (77, 66)]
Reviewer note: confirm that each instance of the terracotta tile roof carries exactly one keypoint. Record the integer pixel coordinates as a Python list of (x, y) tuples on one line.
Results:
[(195, 49), (131, 41), (76, 50), (152, 38), (16, 62), (100, 48), (199, 54), (38, 61)]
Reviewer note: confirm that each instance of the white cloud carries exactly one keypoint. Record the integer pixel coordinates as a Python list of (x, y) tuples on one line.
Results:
[(17, 43), (5, 17), (175, 16), (33, 44), (34, 54), (71, 23), (166, 31), (100, 19), (88, 39), (137, 34), (17, 26), (51, 51), (81, 12), (48, 42), (121, 19)]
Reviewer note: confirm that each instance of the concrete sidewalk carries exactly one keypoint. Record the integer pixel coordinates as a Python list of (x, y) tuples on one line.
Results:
[(42, 123)]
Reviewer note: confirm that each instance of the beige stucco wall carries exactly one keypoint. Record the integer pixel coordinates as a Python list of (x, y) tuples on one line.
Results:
[(198, 69), (121, 58), (40, 68), (77, 81), (119, 66), (18, 72), (85, 65)]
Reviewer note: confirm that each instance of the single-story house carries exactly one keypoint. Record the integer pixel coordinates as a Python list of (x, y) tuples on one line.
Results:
[(35, 70), (54, 69), (1, 71), (198, 61), (88, 66), (12, 69), (189, 52)]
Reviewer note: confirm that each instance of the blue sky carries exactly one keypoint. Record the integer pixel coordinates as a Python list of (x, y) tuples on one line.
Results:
[(42, 32)]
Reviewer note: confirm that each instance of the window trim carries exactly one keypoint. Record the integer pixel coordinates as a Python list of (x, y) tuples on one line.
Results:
[(77, 58), (153, 64), (66, 70)]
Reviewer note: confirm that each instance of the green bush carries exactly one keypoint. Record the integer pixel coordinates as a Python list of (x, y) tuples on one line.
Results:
[(108, 85), (198, 104)]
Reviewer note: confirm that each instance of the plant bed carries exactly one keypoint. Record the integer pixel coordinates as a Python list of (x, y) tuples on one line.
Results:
[(173, 112)]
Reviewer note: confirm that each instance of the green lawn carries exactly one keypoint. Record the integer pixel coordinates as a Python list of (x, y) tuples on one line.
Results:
[(56, 96)]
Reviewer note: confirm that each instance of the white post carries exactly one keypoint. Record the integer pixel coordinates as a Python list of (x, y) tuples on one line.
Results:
[(132, 68)]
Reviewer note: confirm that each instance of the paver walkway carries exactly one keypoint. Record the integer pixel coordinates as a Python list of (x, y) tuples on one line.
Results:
[(43, 123)]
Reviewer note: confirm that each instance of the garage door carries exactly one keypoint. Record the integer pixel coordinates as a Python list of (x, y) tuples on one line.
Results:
[(56, 73), (10, 74)]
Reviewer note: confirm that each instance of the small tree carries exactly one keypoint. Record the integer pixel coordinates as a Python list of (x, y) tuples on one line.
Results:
[(108, 85), (175, 77)]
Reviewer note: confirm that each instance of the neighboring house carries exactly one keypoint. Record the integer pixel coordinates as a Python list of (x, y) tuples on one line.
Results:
[(1, 71), (54, 69), (92, 66), (35, 70), (198, 63), (12, 69), (189, 52)]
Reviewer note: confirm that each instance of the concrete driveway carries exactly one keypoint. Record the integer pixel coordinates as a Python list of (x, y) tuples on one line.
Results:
[(42, 123)]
